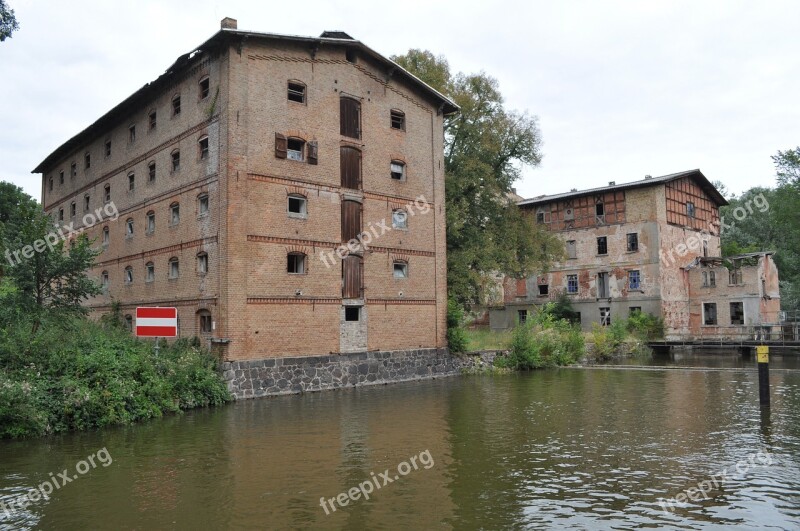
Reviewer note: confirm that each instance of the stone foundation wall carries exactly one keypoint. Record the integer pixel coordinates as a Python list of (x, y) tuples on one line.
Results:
[(282, 376)]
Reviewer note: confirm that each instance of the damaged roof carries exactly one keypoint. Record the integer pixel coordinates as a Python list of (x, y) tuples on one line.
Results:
[(217, 42), (696, 174)]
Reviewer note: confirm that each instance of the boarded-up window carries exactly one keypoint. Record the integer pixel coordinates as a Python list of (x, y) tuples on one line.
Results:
[(351, 167), (280, 146), (351, 220), (572, 249), (313, 152), (351, 277), (350, 117)]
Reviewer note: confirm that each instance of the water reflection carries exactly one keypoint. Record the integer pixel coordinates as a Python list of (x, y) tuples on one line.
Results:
[(578, 448)]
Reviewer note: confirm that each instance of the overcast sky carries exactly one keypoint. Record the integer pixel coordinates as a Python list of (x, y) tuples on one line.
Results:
[(621, 89)]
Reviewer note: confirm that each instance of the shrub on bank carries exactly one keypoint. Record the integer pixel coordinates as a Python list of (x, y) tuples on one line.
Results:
[(78, 375), (543, 341)]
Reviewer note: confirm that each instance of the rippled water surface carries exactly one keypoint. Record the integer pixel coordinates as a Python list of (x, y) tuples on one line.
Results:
[(570, 448)]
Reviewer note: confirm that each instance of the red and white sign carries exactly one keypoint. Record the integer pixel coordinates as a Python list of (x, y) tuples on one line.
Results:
[(156, 322)]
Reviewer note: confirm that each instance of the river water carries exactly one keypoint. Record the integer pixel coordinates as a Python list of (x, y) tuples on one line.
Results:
[(601, 448)]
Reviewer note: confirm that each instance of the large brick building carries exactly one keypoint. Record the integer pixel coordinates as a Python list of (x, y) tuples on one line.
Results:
[(239, 174), (651, 245)]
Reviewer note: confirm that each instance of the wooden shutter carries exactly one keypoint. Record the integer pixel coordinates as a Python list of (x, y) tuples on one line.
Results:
[(350, 117), (351, 220), (350, 159), (280, 146), (351, 277), (312, 152)]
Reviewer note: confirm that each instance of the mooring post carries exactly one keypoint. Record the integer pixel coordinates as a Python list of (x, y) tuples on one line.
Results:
[(156, 347), (762, 356)]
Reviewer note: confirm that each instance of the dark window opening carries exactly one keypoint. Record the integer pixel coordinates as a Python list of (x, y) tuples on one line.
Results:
[(295, 148), (690, 209), (400, 270), (296, 92), (61, 177), (296, 263), (206, 324), (50, 185), (205, 86), (203, 146), (602, 286), (151, 172), (633, 310), (710, 313), (73, 169), (297, 205), (602, 245), (132, 133), (737, 313), (599, 209), (522, 315), (108, 148), (352, 314), (176, 160), (87, 161), (398, 120), (350, 55), (202, 204), (131, 182), (176, 106), (633, 242), (398, 170), (544, 289), (153, 119), (605, 316)]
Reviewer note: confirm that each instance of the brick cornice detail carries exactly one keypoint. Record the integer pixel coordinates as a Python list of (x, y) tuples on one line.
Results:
[(163, 250)]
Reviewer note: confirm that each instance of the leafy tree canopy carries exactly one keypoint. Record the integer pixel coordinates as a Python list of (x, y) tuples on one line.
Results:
[(8, 21)]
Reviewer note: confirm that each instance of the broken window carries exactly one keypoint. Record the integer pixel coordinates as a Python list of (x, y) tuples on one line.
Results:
[(735, 276), (205, 322), (602, 285), (544, 289), (150, 224), (633, 310), (108, 148), (690, 209), (151, 171), (737, 313), (72, 209), (202, 146), (709, 279), (297, 92), (352, 314), (572, 283), (202, 204), (174, 267), (572, 249), (129, 227), (710, 313), (60, 214), (104, 281), (633, 242), (73, 170), (399, 219), (605, 316), (107, 193), (132, 133), (87, 161), (350, 165), (176, 160), (61, 177), (131, 182), (296, 263), (398, 170), (397, 119), (176, 105), (634, 280), (297, 206), (602, 245), (174, 214), (152, 120), (295, 148), (150, 272), (543, 215), (205, 87), (106, 236), (128, 275), (202, 263), (599, 209), (400, 269), (522, 316), (350, 117)]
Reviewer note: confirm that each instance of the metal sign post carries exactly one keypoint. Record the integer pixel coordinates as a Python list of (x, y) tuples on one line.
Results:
[(762, 355)]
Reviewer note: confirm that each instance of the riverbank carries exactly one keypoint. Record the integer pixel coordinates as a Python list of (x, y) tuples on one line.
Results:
[(74, 374)]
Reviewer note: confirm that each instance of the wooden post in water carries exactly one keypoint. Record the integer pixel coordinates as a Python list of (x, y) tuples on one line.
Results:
[(762, 356)]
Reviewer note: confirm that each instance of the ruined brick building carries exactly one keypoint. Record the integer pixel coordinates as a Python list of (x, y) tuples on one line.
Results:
[(653, 246), (238, 176)]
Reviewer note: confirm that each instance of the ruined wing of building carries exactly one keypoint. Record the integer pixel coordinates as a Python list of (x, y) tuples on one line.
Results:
[(241, 174), (653, 246)]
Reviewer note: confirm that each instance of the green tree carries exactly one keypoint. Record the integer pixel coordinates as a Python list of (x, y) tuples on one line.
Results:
[(486, 148), (50, 278), (8, 21)]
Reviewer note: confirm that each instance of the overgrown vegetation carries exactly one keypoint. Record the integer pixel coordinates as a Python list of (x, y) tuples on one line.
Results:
[(456, 335), (60, 371), (543, 340)]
